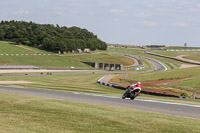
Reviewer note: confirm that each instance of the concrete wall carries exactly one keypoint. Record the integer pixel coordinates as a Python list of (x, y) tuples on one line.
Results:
[(107, 66)]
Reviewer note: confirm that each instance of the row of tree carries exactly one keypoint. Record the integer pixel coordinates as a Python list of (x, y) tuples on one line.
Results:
[(49, 37)]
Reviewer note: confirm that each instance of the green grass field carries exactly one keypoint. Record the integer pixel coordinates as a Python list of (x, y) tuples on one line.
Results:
[(163, 75), (171, 53), (190, 83), (167, 75), (11, 48), (70, 83), (174, 72), (195, 56), (183, 87), (54, 61), (22, 114), (103, 57), (86, 84), (188, 55), (169, 63), (48, 61)]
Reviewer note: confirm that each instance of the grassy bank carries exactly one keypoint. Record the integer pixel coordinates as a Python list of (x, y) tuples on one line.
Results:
[(169, 63), (190, 83), (171, 53), (48, 61), (21, 114), (103, 57), (166, 75), (54, 61), (70, 83), (12, 48), (188, 55), (187, 80), (195, 57)]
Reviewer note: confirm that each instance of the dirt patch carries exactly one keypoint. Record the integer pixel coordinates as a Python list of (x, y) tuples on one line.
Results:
[(188, 66), (107, 78), (161, 82), (180, 56), (162, 92), (16, 82)]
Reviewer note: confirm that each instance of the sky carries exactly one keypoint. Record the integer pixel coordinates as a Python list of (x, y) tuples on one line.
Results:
[(131, 22)]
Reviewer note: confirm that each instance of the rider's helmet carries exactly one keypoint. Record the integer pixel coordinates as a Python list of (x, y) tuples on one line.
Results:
[(139, 83)]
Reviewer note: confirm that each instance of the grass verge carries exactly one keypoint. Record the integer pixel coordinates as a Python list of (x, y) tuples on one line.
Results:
[(81, 83), (182, 81), (70, 83), (21, 114)]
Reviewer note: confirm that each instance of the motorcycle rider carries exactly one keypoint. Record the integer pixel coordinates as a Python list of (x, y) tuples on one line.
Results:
[(132, 87)]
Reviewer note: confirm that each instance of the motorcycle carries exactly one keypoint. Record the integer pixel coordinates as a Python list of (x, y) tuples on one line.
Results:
[(131, 92)]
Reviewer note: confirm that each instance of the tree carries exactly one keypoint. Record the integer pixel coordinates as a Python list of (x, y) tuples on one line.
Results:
[(2, 34), (50, 37)]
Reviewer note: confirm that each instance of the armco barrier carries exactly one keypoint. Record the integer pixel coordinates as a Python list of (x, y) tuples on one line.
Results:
[(111, 85)]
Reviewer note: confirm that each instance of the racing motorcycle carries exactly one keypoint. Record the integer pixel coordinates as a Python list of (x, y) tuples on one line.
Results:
[(131, 92)]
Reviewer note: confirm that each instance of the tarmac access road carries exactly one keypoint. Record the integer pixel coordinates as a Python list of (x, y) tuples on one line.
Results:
[(183, 110)]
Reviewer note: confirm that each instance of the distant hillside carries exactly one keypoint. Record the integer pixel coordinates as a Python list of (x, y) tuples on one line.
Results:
[(49, 37)]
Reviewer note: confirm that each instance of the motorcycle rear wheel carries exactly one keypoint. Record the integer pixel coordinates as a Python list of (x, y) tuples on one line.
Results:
[(133, 96)]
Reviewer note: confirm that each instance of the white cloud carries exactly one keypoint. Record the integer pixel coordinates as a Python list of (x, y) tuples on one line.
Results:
[(198, 5), (193, 9), (58, 11), (23, 12), (142, 15), (117, 11), (149, 23), (105, 4), (180, 24), (151, 6)]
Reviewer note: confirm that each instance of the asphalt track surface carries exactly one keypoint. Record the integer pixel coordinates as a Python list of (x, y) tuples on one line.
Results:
[(187, 110)]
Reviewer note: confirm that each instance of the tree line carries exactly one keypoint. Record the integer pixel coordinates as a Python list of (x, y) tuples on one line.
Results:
[(50, 37)]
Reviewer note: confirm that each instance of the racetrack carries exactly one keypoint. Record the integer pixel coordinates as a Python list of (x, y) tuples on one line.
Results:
[(153, 106), (158, 67), (186, 110)]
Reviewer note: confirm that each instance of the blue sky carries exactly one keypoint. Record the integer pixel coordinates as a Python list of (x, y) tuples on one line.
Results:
[(137, 22)]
